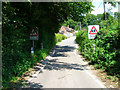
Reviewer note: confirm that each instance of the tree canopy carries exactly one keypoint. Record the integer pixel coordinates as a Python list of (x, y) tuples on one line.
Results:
[(18, 20)]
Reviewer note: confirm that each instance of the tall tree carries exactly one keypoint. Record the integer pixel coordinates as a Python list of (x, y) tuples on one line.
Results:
[(113, 3), (19, 18)]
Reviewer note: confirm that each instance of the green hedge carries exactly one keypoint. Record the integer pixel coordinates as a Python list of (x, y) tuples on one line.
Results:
[(107, 52), (16, 46), (18, 19), (59, 37)]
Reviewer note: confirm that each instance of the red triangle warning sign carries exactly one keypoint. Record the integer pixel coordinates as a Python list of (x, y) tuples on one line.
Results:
[(93, 30), (33, 32)]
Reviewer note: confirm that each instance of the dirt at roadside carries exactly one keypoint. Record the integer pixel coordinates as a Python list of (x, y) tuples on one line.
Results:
[(109, 81)]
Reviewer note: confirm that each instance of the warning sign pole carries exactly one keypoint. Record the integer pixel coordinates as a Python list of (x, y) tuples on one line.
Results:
[(32, 48), (33, 36), (80, 25), (33, 44)]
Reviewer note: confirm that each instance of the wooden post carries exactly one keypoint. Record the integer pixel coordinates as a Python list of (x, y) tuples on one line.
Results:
[(119, 84), (41, 46)]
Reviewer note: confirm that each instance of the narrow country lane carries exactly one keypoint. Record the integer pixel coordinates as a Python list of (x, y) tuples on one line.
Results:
[(64, 68)]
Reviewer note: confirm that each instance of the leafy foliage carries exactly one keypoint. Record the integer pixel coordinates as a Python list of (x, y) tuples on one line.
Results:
[(72, 24), (91, 19), (18, 20), (107, 52), (59, 37)]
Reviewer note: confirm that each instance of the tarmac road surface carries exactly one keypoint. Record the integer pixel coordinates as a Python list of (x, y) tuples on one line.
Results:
[(64, 68)]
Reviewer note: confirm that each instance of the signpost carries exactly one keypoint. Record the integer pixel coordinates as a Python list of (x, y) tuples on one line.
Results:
[(92, 31), (33, 36), (80, 25)]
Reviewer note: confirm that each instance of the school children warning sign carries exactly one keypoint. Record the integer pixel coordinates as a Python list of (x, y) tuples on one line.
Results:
[(34, 34), (92, 31)]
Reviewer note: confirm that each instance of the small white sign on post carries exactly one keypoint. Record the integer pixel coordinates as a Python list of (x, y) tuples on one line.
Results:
[(92, 31)]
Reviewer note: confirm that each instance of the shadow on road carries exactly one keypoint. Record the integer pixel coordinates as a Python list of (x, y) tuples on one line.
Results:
[(60, 50), (35, 85), (23, 84), (56, 65)]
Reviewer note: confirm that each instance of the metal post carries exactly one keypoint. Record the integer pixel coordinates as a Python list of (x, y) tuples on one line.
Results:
[(80, 25), (33, 45), (32, 48), (87, 24)]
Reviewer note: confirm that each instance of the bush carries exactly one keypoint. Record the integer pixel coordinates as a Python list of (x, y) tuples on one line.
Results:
[(16, 56), (107, 51), (59, 37)]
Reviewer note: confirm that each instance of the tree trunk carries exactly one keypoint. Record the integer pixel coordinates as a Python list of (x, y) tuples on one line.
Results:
[(104, 10)]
